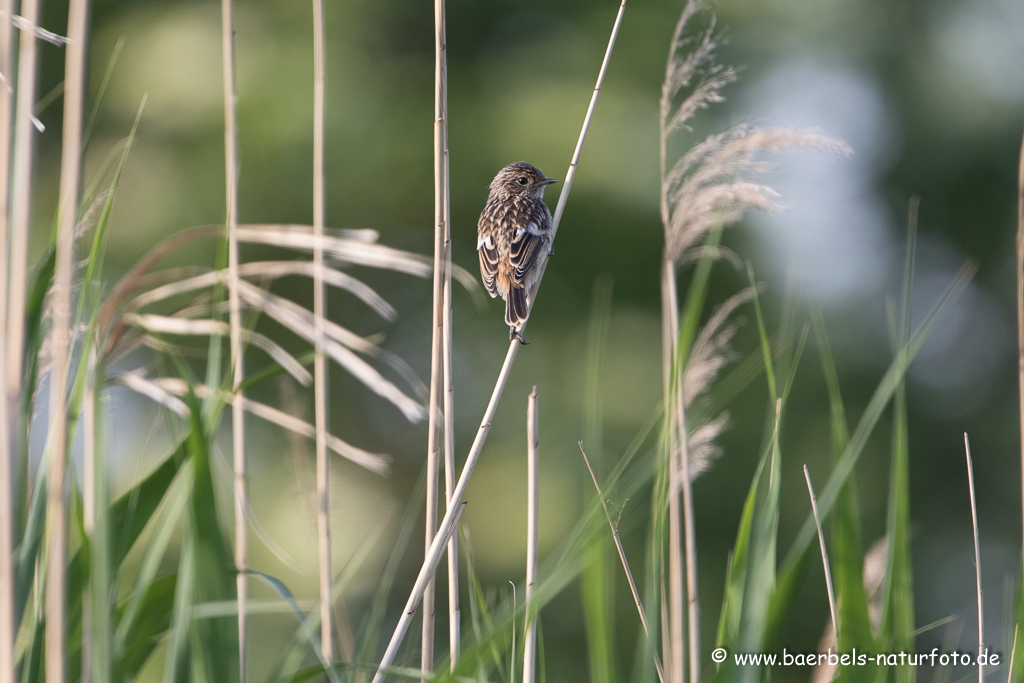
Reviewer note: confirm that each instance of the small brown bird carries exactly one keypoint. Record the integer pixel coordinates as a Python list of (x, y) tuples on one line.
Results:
[(514, 239)]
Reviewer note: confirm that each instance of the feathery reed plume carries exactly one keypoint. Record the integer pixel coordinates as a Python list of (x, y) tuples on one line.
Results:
[(323, 464), (433, 555), (705, 188), (235, 321), (8, 486)]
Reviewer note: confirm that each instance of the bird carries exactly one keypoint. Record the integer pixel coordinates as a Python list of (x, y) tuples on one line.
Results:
[(514, 239)]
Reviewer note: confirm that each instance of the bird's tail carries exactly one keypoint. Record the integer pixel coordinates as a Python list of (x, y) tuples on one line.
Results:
[(516, 306)]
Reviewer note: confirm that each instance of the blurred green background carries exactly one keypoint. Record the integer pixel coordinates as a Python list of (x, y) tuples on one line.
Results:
[(928, 93)]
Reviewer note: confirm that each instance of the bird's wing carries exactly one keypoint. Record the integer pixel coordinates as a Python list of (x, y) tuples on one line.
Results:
[(527, 246), (488, 252)]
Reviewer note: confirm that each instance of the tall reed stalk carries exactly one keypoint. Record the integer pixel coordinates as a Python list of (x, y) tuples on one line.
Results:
[(441, 389), (235, 323), (448, 400), (8, 486), (1020, 312), (323, 462), (21, 212), (532, 530), (70, 184)]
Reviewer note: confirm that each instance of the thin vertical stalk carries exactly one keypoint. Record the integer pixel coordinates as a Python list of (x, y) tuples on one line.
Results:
[(444, 197), (99, 652), (323, 462), (8, 485), (689, 533), (977, 558), (824, 555), (437, 546), (70, 183), (434, 428), (675, 657), (532, 531), (21, 206), (235, 322), (1020, 313), (320, 363)]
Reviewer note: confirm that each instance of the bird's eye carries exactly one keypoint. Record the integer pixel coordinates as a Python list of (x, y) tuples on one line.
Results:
[(522, 180)]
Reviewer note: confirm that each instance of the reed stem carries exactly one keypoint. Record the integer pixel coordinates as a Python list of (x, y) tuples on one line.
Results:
[(235, 322)]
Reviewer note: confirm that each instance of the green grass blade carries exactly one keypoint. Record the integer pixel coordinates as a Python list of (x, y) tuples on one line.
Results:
[(847, 555), (214, 641), (96, 252), (876, 406), (150, 622), (897, 589), (132, 610), (94, 115), (766, 347), (176, 668), (697, 294)]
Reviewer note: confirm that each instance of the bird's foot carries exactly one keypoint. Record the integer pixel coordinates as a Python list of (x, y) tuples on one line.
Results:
[(513, 333)]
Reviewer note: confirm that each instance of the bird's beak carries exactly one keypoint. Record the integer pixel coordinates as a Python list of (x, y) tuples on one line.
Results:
[(548, 181)]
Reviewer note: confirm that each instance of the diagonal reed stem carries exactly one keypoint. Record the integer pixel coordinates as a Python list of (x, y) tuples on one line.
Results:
[(433, 555), (235, 321), (323, 462), (625, 567), (977, 558), (824, 555)]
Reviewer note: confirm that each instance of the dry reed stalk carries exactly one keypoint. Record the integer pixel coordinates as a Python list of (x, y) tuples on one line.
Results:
[(1020, 311), (824, 554), (689, 533), (532, 531), (70, 184), (675, 655), (433, 555), (8, 487), (20, 213), (323, 463), (434, 429), (977, 557), (235, 321), (1013, 651), (448, 400), (89, 461), (625, 566), (20, 206)]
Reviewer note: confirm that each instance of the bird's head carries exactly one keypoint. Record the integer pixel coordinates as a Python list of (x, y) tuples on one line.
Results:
[(520, 179)]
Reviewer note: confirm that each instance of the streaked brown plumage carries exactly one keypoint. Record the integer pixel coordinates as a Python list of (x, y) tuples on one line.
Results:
[(514, 239)]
